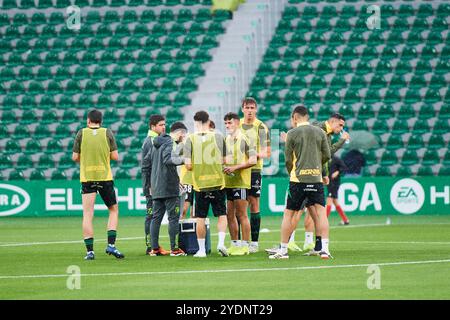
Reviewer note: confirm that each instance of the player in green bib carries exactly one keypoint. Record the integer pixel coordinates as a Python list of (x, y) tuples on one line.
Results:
[(239, 161), (258, 135), (93, 148), (204, 154)]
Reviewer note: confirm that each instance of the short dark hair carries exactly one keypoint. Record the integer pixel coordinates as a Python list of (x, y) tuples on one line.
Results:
[(249, 100), (202, 116), (231, 116), (212, 124), (95, 116), (337, 116), (178, 126), (155, 119), (300, 110)]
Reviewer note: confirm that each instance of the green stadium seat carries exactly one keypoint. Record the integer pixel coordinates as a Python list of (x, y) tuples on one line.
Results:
[(400, 127), (441, 126), (28, 117), (429, 52), (5, 162), (370, 157), (383, 172), (404, 172), (444, 111), (181, 100), (129, 161), (62, 131), (118, 3), (406, 112), (32, 146), (426, 112), (421, 127), (65, 162), (122, 174), (124, 131), (380, 126), (431, 157), (37, 174), (417, 82), (394, 142), (28, 102), (446, 160), (45, 162), (174, 115), (360, 125), (324, 113), (378, 82), (436, 142), (347, 111), (24, 162), (442, 67), (12, 147), (410, 158), (8, 117), (16, 175), (423, 67), (54, 146), (21, 132), (57, 174), (444, 171)]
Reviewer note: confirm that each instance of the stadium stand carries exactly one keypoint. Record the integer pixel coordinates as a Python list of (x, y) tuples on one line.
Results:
[(128, 59), (134, 57)]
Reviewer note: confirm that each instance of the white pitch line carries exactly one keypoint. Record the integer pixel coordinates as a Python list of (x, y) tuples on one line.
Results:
[(21, 244), (40, 276)]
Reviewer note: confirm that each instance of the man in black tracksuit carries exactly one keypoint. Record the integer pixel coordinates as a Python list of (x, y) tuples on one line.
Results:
[(165, 190)]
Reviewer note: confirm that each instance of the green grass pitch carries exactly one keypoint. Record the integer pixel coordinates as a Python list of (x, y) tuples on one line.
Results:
[(412, 253)]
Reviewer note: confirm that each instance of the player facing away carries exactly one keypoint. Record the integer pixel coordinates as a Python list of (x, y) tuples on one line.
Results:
[(93, 148), (157, 126), (205, 153), (306, 152), (337, 169), (239, 161), (258, 135)]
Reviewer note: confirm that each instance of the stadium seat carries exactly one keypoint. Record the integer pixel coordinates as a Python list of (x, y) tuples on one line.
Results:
[(21, 132), (24, 162), (45, 162), (388, 158), (54, 146), (122, 174), (446, 160), (410, 157), (441, 126), (404, 172), (8, 117), (57, 174), (425, 171), (37, 174), (16, 175), (129, 161), (370, 157), (444, 112), (431, 157), (415, 142), (421, 127), (444, 171), (383, 172), (400, 126)]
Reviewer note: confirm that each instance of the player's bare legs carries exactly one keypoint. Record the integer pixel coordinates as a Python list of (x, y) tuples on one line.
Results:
[(232, 221), (241, 214), (309, 231), (88, 201), (113, 220)]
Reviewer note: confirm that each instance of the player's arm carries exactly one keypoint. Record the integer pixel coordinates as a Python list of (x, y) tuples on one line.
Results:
[(76, 150), (264, 139), (114, 153), (289, 152), (170, 156), (187, 152), (252, 159), (326, 153)]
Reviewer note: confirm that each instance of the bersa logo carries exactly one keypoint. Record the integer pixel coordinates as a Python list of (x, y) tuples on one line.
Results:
[(407, 196), (13, 200)]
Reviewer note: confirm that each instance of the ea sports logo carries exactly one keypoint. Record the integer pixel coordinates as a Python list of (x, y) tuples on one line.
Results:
[(407, 196)]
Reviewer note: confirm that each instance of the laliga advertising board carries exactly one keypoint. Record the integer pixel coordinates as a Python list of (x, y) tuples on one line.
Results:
[(358, 196)]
